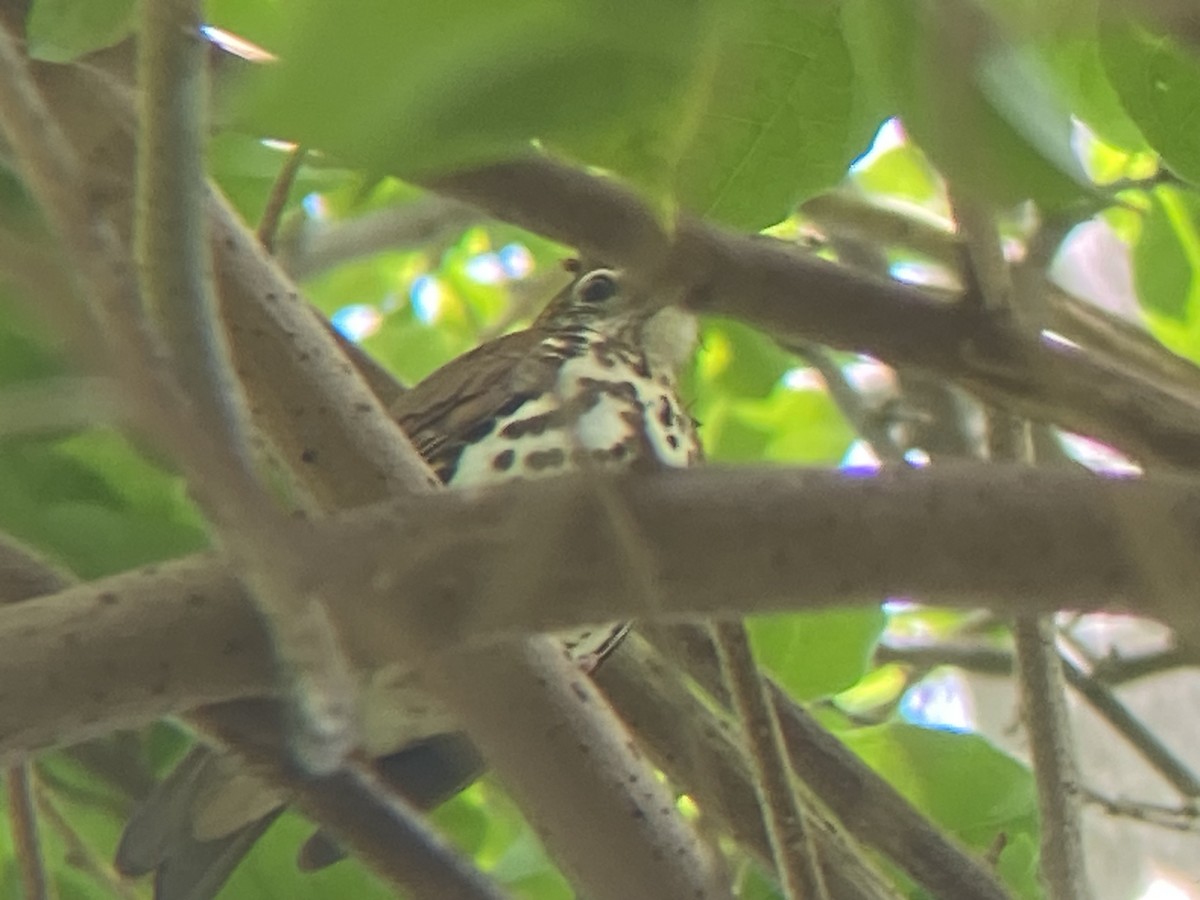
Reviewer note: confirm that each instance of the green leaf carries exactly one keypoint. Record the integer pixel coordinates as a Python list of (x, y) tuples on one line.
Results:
[(63, 30), (739, 360), (1165, 259), (93, 502), (997, 128), (959, 780), (260, 21), (815, 655), (784, 118), (418, 88), (1159, 85), (1076, 64)]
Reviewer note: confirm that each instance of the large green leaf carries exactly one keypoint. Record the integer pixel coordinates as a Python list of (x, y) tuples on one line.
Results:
[(91, 500), (980, 106), (1165, 258), (959, 780), (425, 87), (1159, 84), (783, 120), (815, 655), (62, 30)]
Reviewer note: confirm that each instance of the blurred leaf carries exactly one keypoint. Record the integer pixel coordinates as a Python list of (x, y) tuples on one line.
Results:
[(739, 360), (269, 871), (1075, 61), (93, 502), (428, 87), (959, 780), (1159, 84), (783, 120), (1164, 265), (815, 655), (997, 129), (260, 21), (900, 171), (63, 30), (806, 427)]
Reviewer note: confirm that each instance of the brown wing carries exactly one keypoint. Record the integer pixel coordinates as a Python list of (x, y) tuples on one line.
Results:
[(458, 404)]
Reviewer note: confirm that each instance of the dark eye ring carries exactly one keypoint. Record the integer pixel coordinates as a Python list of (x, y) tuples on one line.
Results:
[(596, 287)]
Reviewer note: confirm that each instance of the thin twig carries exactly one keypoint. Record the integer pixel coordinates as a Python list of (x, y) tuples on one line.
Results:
[(1148, 745), (318, 247), (176, 279), (1175, 818), (79, 851), (23, 825), (1115, 670), (268, 225), (1039, 669), (792, 844)]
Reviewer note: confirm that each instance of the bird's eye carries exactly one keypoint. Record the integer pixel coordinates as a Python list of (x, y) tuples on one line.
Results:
[(596, 287)]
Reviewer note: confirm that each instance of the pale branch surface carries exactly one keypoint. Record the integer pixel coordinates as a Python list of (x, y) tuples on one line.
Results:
[(637, 847), (740, 541)]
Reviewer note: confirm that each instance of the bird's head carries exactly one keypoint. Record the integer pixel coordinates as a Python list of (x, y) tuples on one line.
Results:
[(601, 300)]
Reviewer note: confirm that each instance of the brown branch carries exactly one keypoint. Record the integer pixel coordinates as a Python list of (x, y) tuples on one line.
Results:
[(723, 542), (1142, 739), (318, 247), (571, 754), (1052, 749), (869, 808), (792, 845), (794, 295), (268, 225), (23, 825), (1039, 669), (695, 748)]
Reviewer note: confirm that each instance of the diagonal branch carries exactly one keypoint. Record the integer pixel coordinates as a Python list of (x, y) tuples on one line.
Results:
[(794, 295)]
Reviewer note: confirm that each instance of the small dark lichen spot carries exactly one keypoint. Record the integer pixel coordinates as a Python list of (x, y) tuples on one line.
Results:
[(233, 646), (503, 460), (196, 600), (637, 813), (99, 695), (108, 598), (579, 692), (271, 295), (309, 455)]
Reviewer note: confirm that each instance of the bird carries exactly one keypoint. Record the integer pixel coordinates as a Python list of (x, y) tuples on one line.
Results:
[(591, 384)]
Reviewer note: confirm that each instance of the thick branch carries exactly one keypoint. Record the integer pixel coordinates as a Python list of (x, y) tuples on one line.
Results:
[(795, 295), (720, 542)]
